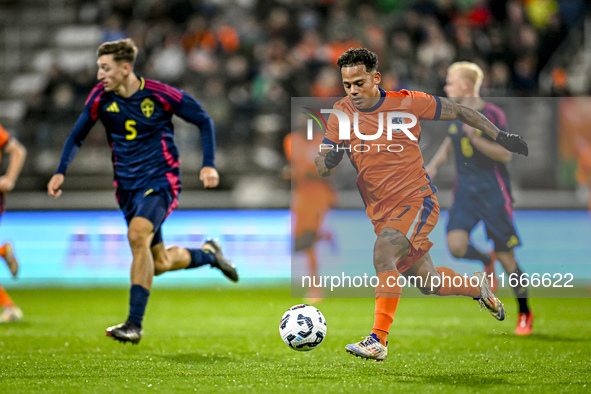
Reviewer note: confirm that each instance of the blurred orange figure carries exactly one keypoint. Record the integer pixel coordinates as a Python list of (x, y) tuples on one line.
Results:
[(312, 198), (17, 153)]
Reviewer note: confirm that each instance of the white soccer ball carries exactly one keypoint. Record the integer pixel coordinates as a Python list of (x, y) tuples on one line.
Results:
[(302, 327)]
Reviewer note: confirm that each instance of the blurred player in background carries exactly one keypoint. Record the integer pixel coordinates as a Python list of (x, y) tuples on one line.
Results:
[(397, 191), (483, 190), (136, 113), (312, 198), (583, 172), (17, 154)]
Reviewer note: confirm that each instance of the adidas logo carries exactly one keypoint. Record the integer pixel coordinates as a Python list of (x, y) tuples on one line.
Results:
[(113, 107)]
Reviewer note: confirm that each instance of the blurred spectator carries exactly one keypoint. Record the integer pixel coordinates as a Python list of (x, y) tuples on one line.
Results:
[(168, 63), (199, 36), (524, 76), (327, 83), (499, 80), (113, 29), (435, 48)]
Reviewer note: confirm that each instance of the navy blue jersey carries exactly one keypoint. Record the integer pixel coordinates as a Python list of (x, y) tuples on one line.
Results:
[(140, 132), (477, 174)]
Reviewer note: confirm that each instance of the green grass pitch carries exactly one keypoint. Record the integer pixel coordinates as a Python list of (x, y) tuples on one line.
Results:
[(227, 340)]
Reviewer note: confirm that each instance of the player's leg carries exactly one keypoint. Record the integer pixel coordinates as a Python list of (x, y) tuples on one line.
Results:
[(177, 258), (9, 310), (406, 224), (501, 230), (390, 246), (144, 213), (139, 234), (307, 216), (439, 280), (463, 217), (458, 242), (7, 254), (305, 244), (444, 281), (525, 317), (397, 247)]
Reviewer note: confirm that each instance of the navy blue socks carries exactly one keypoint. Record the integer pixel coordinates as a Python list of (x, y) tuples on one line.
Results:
[(138, 299), (199, 258), (474, 254), (520, 292)]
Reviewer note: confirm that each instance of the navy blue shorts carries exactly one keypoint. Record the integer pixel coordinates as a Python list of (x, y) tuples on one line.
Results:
[(152, 204), (465, 214)]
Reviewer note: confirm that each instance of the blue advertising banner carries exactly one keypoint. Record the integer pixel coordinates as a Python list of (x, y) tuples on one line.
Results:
[(90, 248)]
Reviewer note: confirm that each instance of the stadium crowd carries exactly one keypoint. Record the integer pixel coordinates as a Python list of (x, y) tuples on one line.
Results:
[(245, 59)]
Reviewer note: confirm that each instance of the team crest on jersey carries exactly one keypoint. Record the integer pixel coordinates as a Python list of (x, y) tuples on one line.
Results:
[(147, 107)]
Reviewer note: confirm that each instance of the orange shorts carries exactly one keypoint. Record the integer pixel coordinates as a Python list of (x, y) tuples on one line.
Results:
[(414, 217), (306, 221)]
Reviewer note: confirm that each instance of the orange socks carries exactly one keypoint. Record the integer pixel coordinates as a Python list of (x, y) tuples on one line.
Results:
[(387, 297), (3, 250), (461, 285), (312, 261), (5, 299)]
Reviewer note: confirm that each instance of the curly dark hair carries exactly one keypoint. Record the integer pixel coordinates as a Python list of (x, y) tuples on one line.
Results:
[(357, 56)]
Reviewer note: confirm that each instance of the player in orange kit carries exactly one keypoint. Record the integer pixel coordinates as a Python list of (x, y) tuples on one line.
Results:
[(312, 198), (17, 154), (396, 189)]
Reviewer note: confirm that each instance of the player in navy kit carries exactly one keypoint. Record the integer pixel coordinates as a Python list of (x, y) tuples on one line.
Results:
[(136, 113), (482, 191)]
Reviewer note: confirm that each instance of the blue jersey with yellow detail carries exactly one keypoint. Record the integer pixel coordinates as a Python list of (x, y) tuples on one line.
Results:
[(140, 132), (477, 174)]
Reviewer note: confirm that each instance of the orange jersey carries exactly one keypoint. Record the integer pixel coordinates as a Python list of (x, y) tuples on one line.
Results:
[(313, 195), (390, 168), (301, 154), (4, 138)]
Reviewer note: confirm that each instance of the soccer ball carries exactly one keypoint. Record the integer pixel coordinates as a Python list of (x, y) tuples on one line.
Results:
[(302, 327)]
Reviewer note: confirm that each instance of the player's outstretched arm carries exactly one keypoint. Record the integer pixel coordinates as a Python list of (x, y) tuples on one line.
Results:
[(210, 177), (451, 111), (487, 147), (54, 184)]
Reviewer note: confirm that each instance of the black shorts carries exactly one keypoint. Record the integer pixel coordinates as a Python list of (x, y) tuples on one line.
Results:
[(154, 204), (466, 212)]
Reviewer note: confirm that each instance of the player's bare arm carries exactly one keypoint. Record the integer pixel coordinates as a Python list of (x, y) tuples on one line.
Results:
[(487, 147), (441, 156), (54, 184), (452, 111), (17, 154)]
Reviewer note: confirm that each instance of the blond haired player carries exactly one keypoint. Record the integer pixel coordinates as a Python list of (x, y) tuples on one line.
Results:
[(483, 190)]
